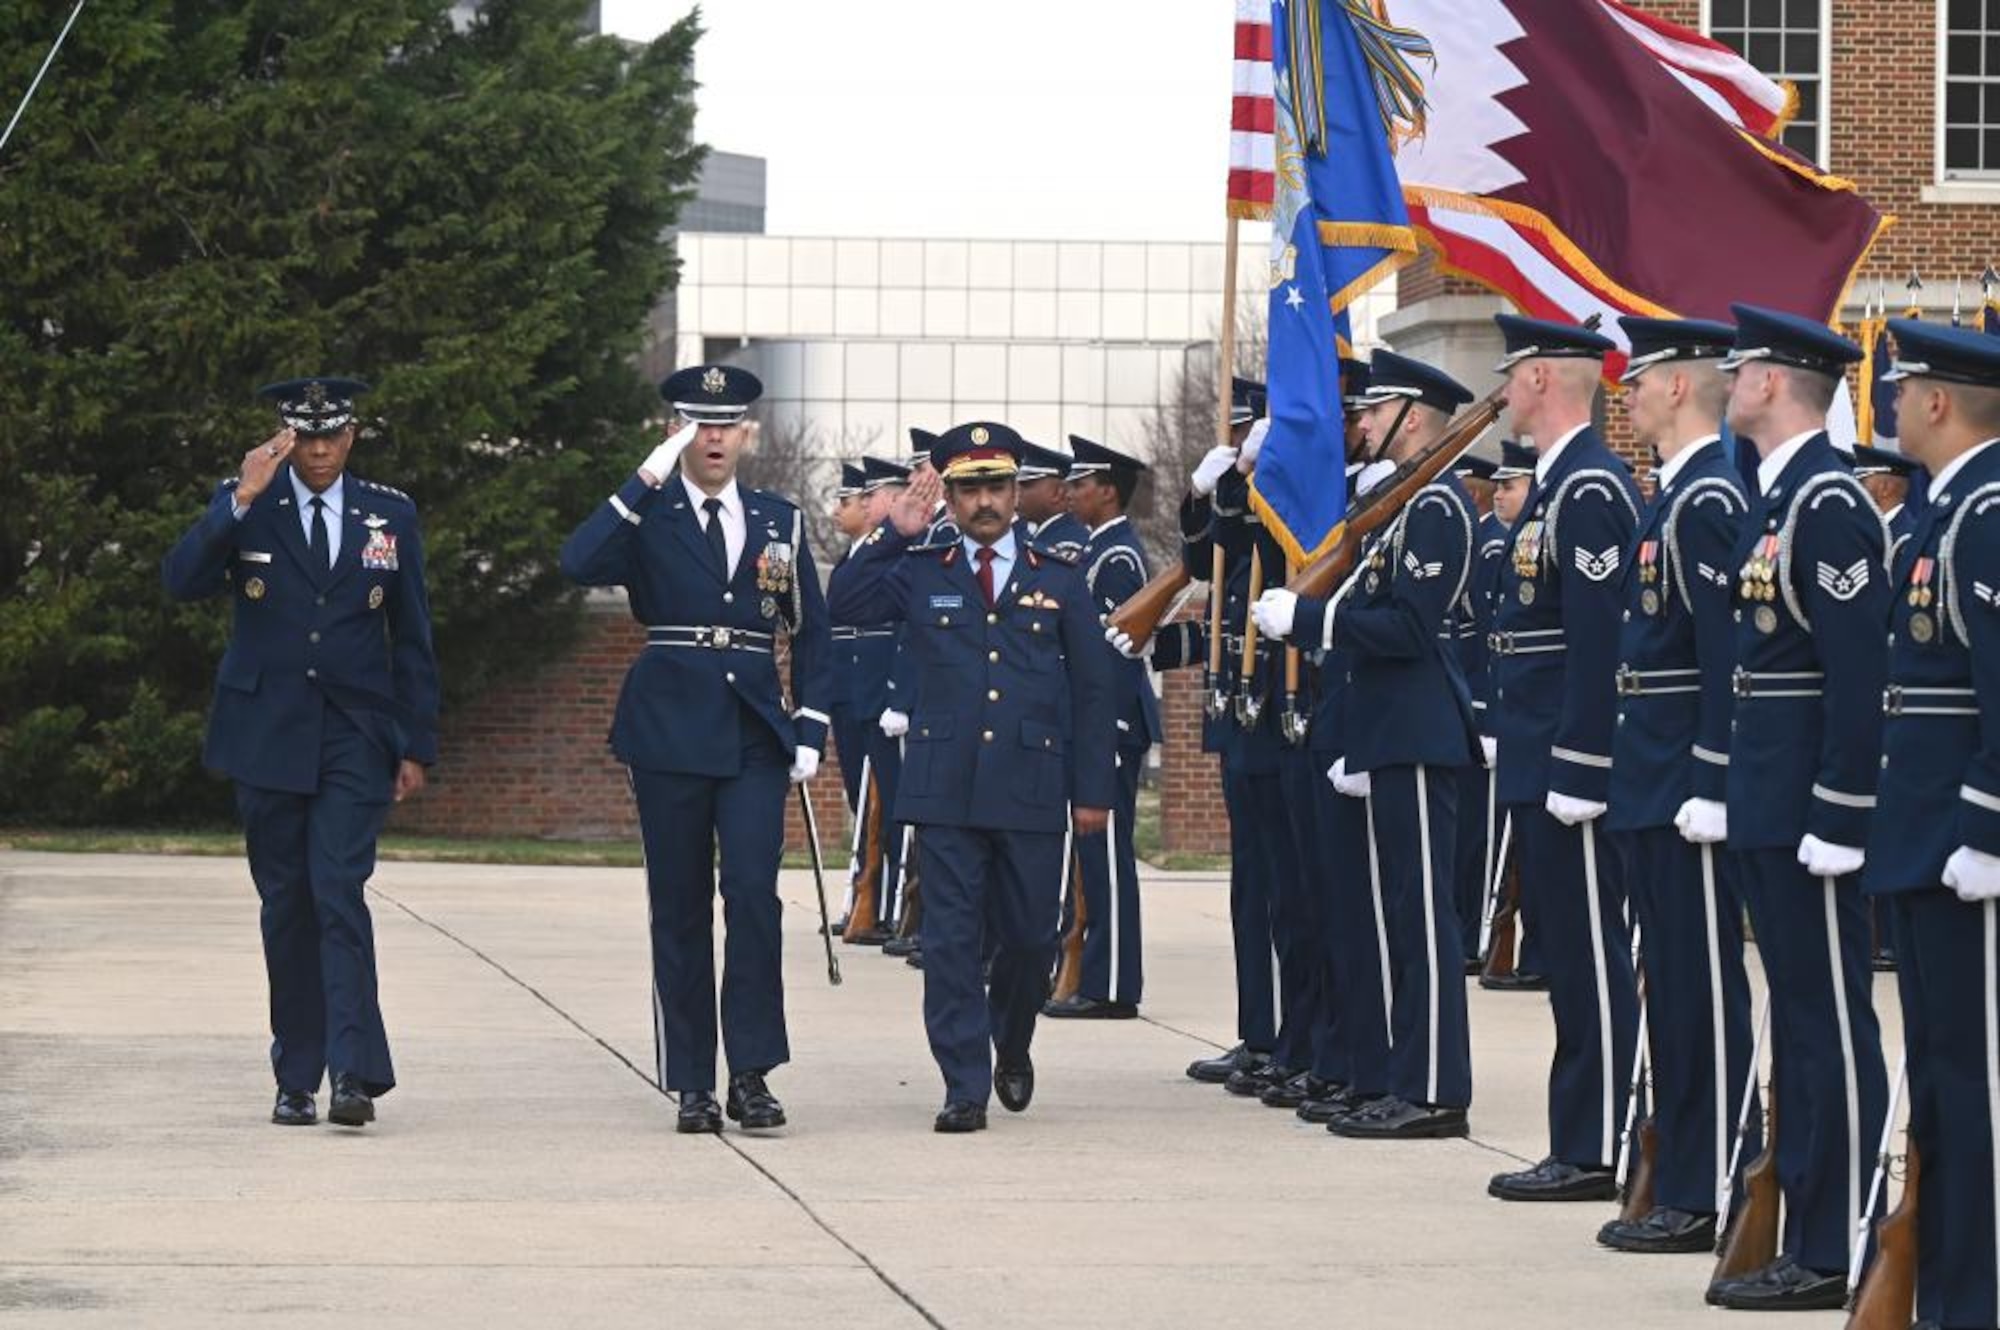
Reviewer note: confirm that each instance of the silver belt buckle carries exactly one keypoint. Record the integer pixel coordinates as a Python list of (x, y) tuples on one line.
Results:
[(1628, 682), (1892, 700), (718, 638), (1739, 682)]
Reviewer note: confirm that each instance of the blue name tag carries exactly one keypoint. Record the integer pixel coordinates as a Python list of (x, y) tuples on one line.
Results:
[(947, 602)]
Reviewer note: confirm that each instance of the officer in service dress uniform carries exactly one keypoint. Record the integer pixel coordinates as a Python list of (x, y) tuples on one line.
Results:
[(1811, 603), (1409, 728), (715, 572), (1667, 777), (995, 630), (1101, 482), (1934, 843), (325, 712), (1556, 649)]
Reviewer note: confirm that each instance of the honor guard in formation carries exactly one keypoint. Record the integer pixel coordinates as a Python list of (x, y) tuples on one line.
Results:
[(994, 782), (325, 712), (1811, 602), (1933, 850), (1555, 646), (716, 572), (850, 516), (1478, 809), (864, 657), (1045, 502), (1667, 779), (1100, 482)]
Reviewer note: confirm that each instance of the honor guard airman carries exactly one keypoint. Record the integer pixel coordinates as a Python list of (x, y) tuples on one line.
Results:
[(1934, 843), (863, 656), (1478, 809), (850, 516), (1668, 761), (1555, 643), (995, 630), (1101, 482), (1409, 728), (717, 573), (1811, 602), (1045, 507), (326, 712)]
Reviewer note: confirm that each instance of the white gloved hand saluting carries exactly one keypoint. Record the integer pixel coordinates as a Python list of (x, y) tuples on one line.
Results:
[(1121, 642), (1210, 469), (1825, 859), (1973, 874), (1703, 821), (1275, 612), (1571, 811), (805, 761), (894, 723), (659, 463), (1253, 443), (1357, 786)]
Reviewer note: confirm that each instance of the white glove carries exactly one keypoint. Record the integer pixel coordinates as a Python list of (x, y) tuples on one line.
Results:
[(1210, 469), (1274, 612), (1823, 859), (1703, 821), (1973, 874), (805, 761), (1489, 748), (1357, 786), (1373, 474), (659, 463), (1573, 812), (1253, 443), (894, 723), (1121, 642)]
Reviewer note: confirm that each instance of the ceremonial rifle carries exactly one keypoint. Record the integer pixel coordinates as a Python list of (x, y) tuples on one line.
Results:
[(1069, 970), (1725, 1186), (1751, 1242), (1635, 1175), (1891, 1281)]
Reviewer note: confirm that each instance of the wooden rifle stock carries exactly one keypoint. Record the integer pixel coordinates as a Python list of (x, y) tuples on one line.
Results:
[(1638, 1201), (1888, 1293), (1501, 941), (1752, 1240), (1069, 974), (1139, 618), (1380, 505)]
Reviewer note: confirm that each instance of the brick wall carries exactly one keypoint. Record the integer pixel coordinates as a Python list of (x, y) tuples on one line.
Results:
[(1192, 818), (529, 759)]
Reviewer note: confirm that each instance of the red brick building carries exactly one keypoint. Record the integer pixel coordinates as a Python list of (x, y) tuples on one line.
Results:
[(1897, 96)]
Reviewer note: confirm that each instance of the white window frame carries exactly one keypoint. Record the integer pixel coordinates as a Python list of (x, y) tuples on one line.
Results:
[(1823, 111), (1943, 188)]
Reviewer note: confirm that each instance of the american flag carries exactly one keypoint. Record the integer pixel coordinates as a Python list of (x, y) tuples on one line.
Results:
[(1251, 114)]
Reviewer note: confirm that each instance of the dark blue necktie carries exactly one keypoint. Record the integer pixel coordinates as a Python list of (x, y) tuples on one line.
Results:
[(716, 543), (319, 543)]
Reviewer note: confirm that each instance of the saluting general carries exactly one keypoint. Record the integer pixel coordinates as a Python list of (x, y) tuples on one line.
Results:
[(326, 708), (1934, 843), (995, 632), (717, 573)]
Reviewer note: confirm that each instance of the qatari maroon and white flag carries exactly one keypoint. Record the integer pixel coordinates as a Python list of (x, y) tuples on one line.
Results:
[(1583, 158)]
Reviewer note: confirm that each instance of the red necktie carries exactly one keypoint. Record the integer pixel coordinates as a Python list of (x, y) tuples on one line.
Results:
[(985, 557)]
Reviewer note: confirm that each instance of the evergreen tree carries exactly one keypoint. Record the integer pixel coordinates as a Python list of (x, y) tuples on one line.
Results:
[(208, 195)]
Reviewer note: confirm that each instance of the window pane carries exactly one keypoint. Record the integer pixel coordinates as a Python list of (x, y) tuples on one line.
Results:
[(1993, 55), (1802, 137), (1802, 14), (1991, 94), (1961, 150), (1993, 13), (1961, 103), (1729, 14), (1808, 99), (1991, 161), (1964, 14), (1766, 50), (1961, 56), (1801, 53), (1767, 13)]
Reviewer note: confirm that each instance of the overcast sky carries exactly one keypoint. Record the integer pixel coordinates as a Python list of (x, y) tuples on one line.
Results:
[(1026, 119)]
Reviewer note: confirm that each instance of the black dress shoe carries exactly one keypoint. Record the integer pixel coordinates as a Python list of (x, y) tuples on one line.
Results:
[(836, 928), (1337, 1102), (295, 1108), (1253, 1081), (1516, 982), (1782, 1286), (1473, 965), (752, 1104), (1393, 1119), (1014, 1084), (870, 937), (1553, 1180), (1293, 1092), (1662, 1230), (1216, 1070), (955, 1118), (350, 1105), (915, 960), (899, 946), (699, 1113), (1077, 1007)]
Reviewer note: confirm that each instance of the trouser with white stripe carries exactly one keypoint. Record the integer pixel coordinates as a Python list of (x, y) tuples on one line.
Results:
[(1415, 825), (1829, 1084), (1575, 907), (1698, 1007), (1351, 1043), (1477, 839), (1108, 874), (1949, 976), (1252, 867)]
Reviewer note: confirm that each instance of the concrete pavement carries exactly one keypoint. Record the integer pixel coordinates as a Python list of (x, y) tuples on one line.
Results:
[(526, 1172)]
